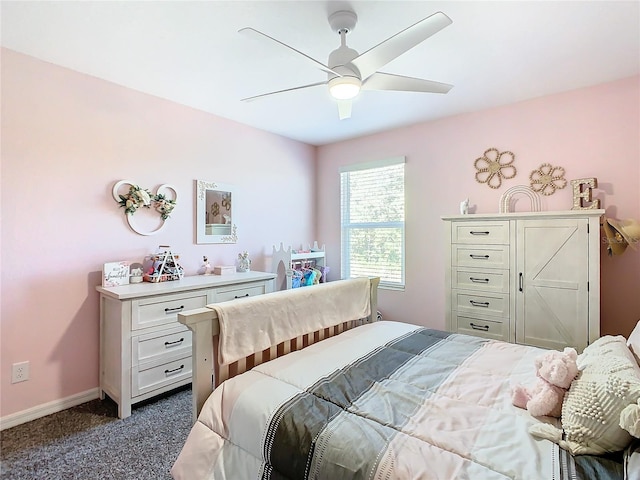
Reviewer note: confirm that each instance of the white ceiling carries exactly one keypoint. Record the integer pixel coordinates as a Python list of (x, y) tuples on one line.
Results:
[(494, 53)]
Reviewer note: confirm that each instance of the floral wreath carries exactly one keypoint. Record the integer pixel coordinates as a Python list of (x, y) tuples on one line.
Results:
[(141, 197), (138, 197)]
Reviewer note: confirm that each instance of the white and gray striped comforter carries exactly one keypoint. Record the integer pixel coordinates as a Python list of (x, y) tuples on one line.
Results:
[(383, 401)]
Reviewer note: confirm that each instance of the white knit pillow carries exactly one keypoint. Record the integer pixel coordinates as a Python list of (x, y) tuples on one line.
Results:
[(609, 381)]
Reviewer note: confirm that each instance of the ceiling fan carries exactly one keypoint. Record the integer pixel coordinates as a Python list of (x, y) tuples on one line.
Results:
[(349, 72)]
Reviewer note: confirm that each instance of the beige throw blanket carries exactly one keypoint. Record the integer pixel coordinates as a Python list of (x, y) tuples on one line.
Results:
[(257, 323)]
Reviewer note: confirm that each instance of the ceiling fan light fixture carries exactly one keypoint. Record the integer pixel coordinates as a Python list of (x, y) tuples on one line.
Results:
[(344, 88)]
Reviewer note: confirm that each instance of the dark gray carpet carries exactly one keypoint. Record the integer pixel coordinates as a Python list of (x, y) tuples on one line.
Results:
[(89, 442)]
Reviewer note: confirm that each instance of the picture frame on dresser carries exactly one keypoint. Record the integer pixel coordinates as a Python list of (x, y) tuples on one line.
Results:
[(144, 350), (531, 278)]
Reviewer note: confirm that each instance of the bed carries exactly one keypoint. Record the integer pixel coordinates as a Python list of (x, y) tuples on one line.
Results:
[(356, 398)]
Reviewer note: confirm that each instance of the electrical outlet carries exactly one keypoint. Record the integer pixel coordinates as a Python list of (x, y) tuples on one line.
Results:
[(20, 372)]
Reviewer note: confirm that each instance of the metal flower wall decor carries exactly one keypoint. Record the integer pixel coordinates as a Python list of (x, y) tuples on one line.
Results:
[(547, 179), (494, 166)]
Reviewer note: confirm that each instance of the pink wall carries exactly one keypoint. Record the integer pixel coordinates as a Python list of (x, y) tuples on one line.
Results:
[(591, 132), (66, 139)]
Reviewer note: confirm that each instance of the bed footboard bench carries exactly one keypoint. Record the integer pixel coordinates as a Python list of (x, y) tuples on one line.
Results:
[(209, 373)]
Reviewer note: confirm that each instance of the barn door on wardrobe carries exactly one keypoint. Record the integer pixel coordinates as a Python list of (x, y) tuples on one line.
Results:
[(552, 273)]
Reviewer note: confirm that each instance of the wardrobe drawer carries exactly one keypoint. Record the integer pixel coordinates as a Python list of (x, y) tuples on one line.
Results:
[(152, 347), (152, 311), (149, 379), (231, 293), (481, 233), (480, 256), (495, 305), (495, 329), (495, 281)]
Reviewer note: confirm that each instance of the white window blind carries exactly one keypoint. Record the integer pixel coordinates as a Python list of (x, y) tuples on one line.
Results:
[(372, 221)]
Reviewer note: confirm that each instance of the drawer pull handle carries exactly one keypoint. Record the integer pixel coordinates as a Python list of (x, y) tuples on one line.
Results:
[(479, 257), (479, 280), (174, 371), (172, 310), (484, 328), (520, 282), (241, 296), (171, 344), (478, 233), (479, 304)]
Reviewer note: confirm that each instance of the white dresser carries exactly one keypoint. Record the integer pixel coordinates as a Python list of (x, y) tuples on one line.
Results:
[(530, 278), (144, 351)]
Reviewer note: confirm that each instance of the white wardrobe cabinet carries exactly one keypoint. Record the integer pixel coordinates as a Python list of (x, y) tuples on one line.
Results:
[(530, 278)]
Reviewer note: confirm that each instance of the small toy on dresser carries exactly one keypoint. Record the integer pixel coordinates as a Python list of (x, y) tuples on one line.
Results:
[(206, 268), (464, 207), (555, 371)]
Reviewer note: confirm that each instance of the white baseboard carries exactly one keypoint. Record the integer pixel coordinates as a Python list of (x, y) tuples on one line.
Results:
[(45, 409)]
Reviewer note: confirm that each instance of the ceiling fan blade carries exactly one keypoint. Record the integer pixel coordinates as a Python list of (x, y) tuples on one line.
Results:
[(248, 99), (255, 33), (389, 81), (373, 59), (344, 108)]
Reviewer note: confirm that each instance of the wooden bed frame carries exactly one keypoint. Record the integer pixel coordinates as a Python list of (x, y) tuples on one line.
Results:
[(209, 373)]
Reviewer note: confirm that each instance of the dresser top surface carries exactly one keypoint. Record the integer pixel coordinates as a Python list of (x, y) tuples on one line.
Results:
[(195, 282), (532, 215)]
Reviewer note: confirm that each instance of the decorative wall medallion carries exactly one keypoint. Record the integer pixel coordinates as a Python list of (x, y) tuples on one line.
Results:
[(582, 192), (547, 179), (137, 197), (226, 201), (493, 166)]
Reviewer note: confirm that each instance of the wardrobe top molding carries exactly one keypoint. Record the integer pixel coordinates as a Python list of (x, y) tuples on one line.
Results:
[(516, 215)]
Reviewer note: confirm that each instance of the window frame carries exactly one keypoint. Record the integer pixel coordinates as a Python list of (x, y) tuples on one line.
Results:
[(346, 226)]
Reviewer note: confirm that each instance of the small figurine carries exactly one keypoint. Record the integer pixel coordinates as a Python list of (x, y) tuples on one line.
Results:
[(206, 268), (464, 207), (244, 263)]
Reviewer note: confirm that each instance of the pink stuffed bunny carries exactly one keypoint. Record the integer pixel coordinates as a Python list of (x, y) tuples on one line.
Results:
[(555, 370)]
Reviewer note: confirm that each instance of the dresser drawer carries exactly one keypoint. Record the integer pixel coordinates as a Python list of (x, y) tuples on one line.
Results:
[(149, 379), (152, 311), (495, 329), (491, 281), (480, 256), (495, 305), (239, 291), (168, 343), (480, 233)]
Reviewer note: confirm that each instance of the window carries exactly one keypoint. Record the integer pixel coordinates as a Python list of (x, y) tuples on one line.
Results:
[(372, 221)]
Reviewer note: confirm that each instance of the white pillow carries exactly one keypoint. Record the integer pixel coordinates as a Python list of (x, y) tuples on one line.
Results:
[(633, 342), (609, 382)]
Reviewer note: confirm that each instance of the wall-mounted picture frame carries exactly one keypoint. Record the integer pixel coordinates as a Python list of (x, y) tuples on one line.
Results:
[(216, 215)]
